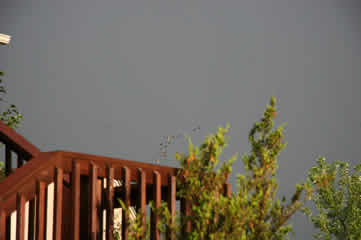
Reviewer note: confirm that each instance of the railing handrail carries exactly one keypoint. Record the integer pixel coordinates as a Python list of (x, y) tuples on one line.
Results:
[(117, 163), (24, 179), (41, 168), (17, 142)]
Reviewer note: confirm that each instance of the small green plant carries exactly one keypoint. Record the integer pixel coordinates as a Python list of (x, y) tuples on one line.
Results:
[(337, 198), (11, 116), (136, 229), (254, 212)]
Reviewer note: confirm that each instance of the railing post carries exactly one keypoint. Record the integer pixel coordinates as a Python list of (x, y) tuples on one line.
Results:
[(93, 174), (75, 199), (186, 211), (126, 199), (227, 189), (157, 197), (142, 197), (172, 182), (101, 204), (31, 222), (20, 216), (40, 210), (46, 224), (58, 204), (109, 203)]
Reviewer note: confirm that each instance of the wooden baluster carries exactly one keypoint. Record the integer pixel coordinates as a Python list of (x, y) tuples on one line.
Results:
[(40, 210), (8, 160), (75, 199), (93, 172), (31, 222), (2, 225), (126, 199), (58, 203), (20, 216), (186, 210), (101, 203), (109, 203), (172, 182), (93, 236), (46, 214), (8, 170), (157, 197), (142, 197)]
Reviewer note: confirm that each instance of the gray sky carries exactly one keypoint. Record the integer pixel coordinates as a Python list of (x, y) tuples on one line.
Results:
[(111, 77)]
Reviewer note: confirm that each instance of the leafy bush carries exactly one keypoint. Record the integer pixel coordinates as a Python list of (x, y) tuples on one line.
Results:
[(338, 200), (254, 212), (11, 115)]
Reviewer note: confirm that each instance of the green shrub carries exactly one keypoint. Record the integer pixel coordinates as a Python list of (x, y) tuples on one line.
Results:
[(11, 116), (254, 212), (337, 198)]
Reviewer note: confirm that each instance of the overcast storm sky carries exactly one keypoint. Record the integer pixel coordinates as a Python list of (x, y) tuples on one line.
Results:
[(112, 77)]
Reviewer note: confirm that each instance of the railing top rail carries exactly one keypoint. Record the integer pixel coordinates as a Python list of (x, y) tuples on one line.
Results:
[(23, 179), (17, 142), (41, 168), (117, 164), (115, 161)]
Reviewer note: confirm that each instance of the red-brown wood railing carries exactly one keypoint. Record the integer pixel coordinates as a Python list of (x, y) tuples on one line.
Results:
[(79, 195), (83, 189), (17, 145)]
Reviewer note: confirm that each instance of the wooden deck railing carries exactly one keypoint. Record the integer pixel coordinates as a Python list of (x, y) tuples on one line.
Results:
[(83, 189), (23, 150), (84, 192), (15, 143), (80, 195)]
